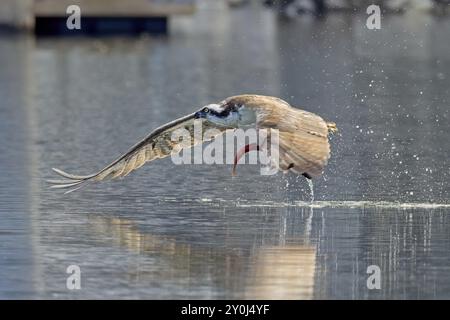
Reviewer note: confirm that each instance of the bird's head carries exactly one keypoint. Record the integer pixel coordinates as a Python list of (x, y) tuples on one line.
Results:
[(230, 113), (222, 114)]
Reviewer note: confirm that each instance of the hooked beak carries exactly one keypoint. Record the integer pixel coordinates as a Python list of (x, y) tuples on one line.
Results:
[(199, 115)]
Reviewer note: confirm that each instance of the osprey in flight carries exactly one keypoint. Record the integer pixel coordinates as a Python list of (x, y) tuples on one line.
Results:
[(303, 138)]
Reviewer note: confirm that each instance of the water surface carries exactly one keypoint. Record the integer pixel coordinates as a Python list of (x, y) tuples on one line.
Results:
[(194, 231)]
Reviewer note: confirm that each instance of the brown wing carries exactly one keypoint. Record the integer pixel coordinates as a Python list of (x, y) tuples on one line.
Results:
[(158, 144), (303, 140)]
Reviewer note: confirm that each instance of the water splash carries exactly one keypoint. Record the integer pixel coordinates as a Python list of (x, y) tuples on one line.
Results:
[(311, 189), (326, 204)]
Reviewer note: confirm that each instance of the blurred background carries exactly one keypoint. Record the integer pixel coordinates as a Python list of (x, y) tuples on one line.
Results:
[(76, 99)]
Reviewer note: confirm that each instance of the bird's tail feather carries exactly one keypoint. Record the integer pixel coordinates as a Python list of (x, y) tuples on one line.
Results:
[(303, 153)]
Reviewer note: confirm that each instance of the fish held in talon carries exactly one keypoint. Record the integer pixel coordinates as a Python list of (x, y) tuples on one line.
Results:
[(303, 146), (247, 148)]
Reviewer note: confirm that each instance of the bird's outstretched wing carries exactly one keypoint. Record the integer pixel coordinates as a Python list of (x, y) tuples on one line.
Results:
[(303, 140), (158, 144)]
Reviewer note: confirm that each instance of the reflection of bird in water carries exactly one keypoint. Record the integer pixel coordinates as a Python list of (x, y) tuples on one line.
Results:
[(282, 272), (303, 146), (271, 271)]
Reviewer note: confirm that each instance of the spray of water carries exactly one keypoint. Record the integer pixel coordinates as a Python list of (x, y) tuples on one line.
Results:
[(327, 204), (311, 189)]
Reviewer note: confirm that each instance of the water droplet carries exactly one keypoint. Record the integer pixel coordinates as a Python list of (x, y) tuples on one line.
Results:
[(311, 189)]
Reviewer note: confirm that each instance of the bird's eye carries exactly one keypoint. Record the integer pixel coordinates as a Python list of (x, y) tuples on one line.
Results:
[(206, 110)]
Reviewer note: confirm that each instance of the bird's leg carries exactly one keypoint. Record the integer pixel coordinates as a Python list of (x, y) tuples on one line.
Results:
[(242, 152)]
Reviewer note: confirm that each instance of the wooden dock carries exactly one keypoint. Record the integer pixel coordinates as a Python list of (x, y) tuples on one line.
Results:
[(48, 14), (115, 8)]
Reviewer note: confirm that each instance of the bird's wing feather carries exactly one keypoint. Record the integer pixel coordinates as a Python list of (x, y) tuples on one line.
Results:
[(303, 139), (303, 153), (158, 144)]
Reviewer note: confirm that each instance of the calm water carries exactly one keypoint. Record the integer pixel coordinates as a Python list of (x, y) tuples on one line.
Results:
[(194, 231)]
